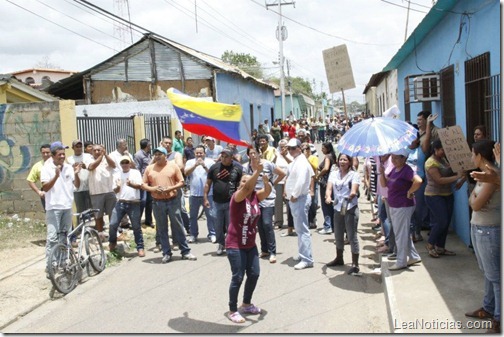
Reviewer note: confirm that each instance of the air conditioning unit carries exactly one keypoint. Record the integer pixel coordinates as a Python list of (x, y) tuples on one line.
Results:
[(426, 88)]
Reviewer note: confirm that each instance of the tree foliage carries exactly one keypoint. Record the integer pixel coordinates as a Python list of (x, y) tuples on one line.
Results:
[(246, 62), (299, 85)]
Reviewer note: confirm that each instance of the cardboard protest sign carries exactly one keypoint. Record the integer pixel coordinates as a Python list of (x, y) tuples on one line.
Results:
[(456, 148)]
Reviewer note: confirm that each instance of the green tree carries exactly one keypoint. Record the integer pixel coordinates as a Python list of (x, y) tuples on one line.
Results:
[(299, 85), (246, 62)]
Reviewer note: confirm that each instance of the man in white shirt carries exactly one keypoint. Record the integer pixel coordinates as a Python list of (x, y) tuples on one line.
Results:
[(59, 180), (81, 194), (196, 170), (127, 184), (212, 151), (101, 169), (297, 191)]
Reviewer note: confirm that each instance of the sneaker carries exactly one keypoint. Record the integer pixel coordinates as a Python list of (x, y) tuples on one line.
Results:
[(141, 253), (303, 265), (392, 257), (324, 231), (296, 258), (251, 309), (166, 259), (220, 249), (272, 258), (263, 254), (191, 239), (354, 271), (213, 238), (189, 256), (157, 249), (396, 267), (414, 261)]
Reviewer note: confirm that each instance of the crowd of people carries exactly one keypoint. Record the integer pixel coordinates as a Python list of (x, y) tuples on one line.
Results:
[(243, 193)]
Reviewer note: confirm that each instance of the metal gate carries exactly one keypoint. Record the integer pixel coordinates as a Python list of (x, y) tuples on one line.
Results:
[(106, 131), (156, 127)]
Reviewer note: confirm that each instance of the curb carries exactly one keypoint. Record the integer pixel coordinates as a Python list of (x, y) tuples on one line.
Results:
[(390, 297)]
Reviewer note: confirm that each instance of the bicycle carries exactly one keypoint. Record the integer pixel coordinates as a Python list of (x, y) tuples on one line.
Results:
[(66, 264)]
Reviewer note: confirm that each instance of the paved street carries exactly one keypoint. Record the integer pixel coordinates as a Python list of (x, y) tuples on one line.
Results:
[(144, 296)]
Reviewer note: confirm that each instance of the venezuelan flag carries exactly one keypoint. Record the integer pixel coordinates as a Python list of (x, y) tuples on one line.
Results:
[(218, 120)]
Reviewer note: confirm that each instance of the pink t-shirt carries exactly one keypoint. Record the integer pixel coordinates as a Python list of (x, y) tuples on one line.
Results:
[(243, 217)]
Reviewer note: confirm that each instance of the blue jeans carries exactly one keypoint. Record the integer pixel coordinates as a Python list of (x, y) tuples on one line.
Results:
[(242, 261), (162, 210), (312, 212), (58, 222), (146, 205), (487, 247), (441, 209), (327, 210), (195, 203), (421, 214), (221, 220), (266, 232), (133, 212), (299, 210)]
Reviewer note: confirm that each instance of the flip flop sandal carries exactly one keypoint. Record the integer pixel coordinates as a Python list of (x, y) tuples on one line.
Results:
[(432, 251), (443, 251), (235, 317)]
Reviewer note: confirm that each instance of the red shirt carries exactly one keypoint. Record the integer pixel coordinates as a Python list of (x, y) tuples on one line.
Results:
[(292, 131), (243, 217)]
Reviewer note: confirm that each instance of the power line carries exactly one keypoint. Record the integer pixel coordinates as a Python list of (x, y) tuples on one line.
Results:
[(65, 28), (329, 34)]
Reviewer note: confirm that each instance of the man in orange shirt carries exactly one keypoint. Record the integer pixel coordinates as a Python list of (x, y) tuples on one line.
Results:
[(163, 179)]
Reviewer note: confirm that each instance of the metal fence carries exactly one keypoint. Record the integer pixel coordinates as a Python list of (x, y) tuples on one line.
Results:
[(156, 127), (492, 107), (106, 131)]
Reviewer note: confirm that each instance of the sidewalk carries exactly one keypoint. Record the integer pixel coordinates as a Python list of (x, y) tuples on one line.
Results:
[(435, 293)]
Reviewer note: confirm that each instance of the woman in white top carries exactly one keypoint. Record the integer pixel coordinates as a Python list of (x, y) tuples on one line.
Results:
[(344, 184)]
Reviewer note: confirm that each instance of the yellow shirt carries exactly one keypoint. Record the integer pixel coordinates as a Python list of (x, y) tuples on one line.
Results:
[(313, 162), (269, 154), (34, 175)]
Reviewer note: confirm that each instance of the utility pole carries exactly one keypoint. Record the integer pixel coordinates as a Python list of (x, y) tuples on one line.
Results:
[(290, 86), (121, 30), (281, 34), (407, 20)]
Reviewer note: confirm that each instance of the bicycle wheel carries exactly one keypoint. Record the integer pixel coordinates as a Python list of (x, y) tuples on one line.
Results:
[(63, 270), (94, 249)]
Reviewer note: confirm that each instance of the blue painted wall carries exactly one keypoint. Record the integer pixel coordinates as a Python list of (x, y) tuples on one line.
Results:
[(294, 107), (480, 34), (232, 89)]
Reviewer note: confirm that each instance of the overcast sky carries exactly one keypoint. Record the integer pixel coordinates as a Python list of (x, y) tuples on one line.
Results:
[(75, 38)]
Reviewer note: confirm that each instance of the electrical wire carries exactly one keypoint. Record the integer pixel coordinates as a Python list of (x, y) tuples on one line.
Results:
[(325, 33), (57, 24), (56, 10)]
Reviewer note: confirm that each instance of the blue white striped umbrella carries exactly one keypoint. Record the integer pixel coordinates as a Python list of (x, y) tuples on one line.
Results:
[(376, 136)]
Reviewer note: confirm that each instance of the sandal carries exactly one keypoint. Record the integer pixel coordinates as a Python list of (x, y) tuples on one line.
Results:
[(443, 251), (235, 317), (432, 251), (250, 309)]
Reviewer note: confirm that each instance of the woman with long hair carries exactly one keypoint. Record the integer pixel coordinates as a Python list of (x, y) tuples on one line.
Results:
[(244, 212), (439, 199), (324, 169), (343, 184), (485, 201)]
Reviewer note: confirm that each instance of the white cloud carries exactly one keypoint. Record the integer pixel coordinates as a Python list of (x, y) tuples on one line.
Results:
[(238, 25)]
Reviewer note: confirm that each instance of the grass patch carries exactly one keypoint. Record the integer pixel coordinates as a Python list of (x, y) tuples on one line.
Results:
[(16, 231)]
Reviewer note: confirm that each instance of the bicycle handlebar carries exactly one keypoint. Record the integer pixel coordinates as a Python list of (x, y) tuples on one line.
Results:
[(87, 212)]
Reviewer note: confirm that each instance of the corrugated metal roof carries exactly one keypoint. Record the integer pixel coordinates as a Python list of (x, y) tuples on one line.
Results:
[(374, 80), (110, 68), (435, 15)]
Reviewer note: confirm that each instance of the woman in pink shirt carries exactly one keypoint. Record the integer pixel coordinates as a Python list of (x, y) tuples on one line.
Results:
[(244, 213)]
